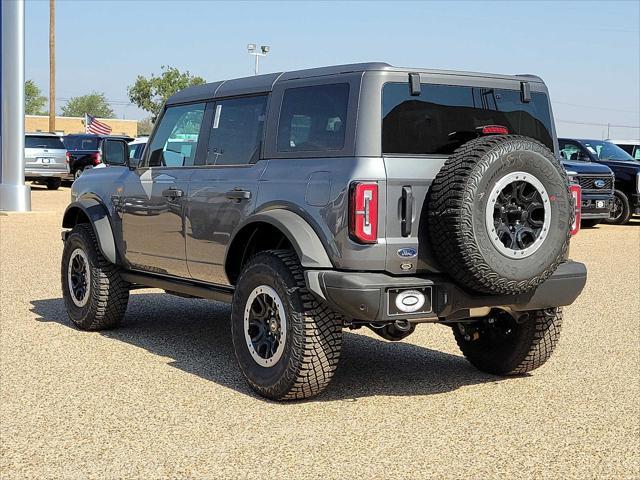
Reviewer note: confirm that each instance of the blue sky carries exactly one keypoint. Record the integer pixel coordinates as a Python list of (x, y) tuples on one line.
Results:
[(587, 52)]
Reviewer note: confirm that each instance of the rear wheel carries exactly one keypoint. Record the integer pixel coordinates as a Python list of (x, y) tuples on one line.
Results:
[(621, 213), (94, 294), (287, 344), (54, 183), (77, 174), (498, 344)]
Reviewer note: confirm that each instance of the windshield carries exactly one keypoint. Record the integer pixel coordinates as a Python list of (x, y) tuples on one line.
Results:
[(607, 151), (81, 143), (44, 141), (443, 117)]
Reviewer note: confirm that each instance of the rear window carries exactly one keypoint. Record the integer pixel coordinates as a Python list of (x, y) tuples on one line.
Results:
[(443, 117), (81, 143), (49, 143), (313, 118)]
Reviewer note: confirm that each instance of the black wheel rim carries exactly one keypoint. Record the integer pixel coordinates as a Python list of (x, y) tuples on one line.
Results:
[(617, 208), (518, 214), (78, 277), (265, 326)]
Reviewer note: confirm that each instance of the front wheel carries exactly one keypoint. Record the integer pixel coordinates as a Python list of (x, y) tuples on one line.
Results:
[(54, 183), (287, 344), (621, 209), (95, 295), (501, 345)]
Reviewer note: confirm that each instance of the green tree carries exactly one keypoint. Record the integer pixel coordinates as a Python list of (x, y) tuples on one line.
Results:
[(145, 126), (95, 104), (34, 100), (150, 93)]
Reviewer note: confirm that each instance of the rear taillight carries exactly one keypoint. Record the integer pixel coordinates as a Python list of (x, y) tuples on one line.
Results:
[(493, 130), (96, 158), (363, 212), (576, 195), (68, 156)]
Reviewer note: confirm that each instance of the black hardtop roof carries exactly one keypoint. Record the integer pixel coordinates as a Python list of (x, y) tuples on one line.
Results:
[(265, 83)]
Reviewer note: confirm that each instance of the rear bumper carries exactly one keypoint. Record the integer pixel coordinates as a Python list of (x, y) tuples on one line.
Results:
[(365, 296), (36, 173), (596, 206)]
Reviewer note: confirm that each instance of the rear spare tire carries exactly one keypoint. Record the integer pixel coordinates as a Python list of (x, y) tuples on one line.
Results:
[(500, 214)]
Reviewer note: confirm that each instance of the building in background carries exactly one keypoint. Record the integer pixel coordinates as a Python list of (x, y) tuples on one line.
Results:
[(66, 125)]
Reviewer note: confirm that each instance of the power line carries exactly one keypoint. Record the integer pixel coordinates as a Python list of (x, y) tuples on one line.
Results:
[(597, 124)]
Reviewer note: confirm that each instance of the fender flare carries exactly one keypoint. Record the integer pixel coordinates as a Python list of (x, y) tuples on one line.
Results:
[(98, 216), (303, 238)]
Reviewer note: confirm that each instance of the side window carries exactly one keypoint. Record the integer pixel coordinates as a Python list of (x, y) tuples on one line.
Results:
[(569, 150), (236, 133), (313, 118), (176, 139)]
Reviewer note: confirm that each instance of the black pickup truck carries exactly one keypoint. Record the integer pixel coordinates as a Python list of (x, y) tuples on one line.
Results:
[(85, 151), (597, 182), (625, 168)]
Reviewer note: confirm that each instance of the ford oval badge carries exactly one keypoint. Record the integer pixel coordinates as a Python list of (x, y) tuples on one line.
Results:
[(407, 252)]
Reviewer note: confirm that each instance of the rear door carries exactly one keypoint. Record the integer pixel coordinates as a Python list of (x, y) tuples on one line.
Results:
[(153, 199), (225, 187)]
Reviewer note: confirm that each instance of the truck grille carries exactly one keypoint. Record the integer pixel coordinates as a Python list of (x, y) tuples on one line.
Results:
[(596, 183)]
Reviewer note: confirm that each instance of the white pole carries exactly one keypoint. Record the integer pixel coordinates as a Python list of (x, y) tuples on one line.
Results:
[(14, 194), (255, 70)]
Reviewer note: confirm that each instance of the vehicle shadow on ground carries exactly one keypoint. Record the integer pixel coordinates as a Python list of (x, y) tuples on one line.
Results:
[(196, 335)]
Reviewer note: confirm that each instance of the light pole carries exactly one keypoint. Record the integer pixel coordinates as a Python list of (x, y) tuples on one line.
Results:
[(253, 50), (14, 194)]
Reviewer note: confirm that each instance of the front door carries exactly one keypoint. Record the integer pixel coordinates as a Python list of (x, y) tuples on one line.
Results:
[(224, 189), (154, 199)]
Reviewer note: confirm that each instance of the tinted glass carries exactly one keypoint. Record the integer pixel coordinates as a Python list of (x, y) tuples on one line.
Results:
[(114, 152), (136, 150), (50, 143), (606, 150), (443, 117), (237, 131), (81, 143), (313, 118), (571, 151), (176, 139)]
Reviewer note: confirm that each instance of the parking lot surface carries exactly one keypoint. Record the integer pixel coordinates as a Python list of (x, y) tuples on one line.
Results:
[(162, 396)]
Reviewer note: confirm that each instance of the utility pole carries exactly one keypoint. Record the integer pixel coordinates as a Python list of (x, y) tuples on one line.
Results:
[(52, 66)]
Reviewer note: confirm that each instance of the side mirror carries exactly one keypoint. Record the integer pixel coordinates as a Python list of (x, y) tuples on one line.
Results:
[(115, 152)]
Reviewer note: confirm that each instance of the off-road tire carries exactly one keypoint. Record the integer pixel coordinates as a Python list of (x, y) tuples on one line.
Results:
[(53, 183), (625, 215), (530, 345), (108, 292), (456, 221), (314, 332), (590, 223)]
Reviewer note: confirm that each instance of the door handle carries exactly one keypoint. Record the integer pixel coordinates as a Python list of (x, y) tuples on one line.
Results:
[(238, 195), (172, 193), (407, 211)]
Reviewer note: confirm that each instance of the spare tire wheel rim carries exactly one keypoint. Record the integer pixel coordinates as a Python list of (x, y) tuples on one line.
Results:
[(265, 326), (518, 215), (78, 277)]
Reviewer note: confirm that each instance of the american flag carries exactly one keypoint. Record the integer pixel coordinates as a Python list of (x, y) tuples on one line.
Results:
[(92, 125)]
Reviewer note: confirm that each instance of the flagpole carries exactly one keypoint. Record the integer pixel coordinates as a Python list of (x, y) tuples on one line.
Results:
[(86, 123)]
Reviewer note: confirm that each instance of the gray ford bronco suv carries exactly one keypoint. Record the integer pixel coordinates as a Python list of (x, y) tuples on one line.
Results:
[(338, 197)]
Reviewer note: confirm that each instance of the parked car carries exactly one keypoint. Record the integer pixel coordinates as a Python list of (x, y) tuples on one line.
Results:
[(597, 182), (85, 150), (45, 160), (339, 197), (625, 168), (632, 147), (136, 147)]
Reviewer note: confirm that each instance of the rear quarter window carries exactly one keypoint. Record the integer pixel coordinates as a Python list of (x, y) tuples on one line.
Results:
[(443, 117), (314, 118)]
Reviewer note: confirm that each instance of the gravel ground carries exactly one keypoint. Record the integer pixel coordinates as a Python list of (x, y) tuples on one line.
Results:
[(162, 397)]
